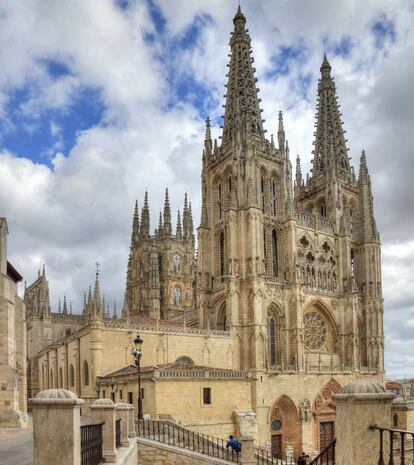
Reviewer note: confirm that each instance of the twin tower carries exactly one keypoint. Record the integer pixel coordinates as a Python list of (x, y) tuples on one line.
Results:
[(291, 266)]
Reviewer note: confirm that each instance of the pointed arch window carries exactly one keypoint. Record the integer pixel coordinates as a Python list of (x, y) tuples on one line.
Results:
[(60, 377), (51, 379), (176, 263), (262, 193), (322, 208), (85, 373), (273, 196), (71, 376), (275, 269), (352, 264), (177, 296), (220, 202), (272, 341), (221, 251), (160, 263)]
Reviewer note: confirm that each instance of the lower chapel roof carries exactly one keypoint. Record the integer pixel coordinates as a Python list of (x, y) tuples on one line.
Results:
[(170, 368)]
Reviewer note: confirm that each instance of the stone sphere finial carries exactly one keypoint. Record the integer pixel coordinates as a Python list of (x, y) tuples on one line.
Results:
[(56, 394), (363, 387), (103, 402)]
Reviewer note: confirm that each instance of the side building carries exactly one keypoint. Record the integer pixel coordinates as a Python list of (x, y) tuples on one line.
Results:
[(13, 378)]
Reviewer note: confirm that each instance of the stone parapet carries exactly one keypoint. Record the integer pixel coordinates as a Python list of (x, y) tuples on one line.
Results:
[(56, 427)]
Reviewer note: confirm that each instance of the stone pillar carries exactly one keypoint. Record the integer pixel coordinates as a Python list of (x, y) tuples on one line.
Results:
[(247, 453), (246, 423), (131, 421), (104, 410), (360, 405), (122, 411), (56, 427)]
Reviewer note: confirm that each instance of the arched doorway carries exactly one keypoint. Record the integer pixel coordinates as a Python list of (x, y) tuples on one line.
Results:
[(285, 427), (324, 414)]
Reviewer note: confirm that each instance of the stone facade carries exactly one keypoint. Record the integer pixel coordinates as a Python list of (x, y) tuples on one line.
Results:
[(286, 287), (13, 401)]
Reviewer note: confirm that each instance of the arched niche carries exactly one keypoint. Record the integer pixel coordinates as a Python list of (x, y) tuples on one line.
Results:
[(324, 415), (284, 426)]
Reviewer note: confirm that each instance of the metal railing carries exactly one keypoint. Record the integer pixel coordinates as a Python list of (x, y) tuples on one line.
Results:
[(118, 432), (400, 440), (326, 457), (176, 435), (267, 457), (91, 444)]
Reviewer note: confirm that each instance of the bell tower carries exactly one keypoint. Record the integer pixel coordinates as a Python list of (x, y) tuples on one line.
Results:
[(246, 201)]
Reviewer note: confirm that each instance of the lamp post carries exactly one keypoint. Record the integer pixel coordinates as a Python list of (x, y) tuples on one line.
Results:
[(137, 353)]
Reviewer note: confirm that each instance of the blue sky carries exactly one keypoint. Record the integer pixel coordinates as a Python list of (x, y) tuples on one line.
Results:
[(97, 98)]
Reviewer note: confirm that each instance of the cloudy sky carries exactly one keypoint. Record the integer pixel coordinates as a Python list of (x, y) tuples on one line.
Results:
[(102, 99)]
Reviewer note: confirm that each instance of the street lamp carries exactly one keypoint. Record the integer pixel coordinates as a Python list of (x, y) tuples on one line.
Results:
[(137, 353)]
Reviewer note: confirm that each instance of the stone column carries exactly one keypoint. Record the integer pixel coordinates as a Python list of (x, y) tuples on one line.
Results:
[(104, 410), (247, 453), (122, 411), (56, 427), (360, 405), (131, 421)]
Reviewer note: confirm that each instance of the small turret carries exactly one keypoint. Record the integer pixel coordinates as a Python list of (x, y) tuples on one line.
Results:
[(281, 137), (144, 231), (208, 143), (115, 315), (190, 224), (179, 230), (298, 177), (167, 215), (160, 229), (135, 226), (65, 306)]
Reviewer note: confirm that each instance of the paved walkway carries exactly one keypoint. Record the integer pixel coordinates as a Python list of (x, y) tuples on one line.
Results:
[(16, 446)]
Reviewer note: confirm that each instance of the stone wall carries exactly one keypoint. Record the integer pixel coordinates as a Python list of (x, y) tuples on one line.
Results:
[(163, 454), (13, 404)]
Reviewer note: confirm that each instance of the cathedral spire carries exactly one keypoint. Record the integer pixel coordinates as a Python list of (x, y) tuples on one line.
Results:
[(144, 231), (135, 225), (242, 116), (330, 151), (167, 215), (281, 137), (179, 230)]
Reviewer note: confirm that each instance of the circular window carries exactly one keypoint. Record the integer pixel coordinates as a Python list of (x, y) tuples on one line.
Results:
[(315, 330), (276, 425)]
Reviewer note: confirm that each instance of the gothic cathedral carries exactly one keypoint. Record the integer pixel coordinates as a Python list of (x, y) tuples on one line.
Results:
[(281, 302)]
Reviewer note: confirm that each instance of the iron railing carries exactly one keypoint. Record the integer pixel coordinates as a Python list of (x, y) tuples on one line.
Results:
[(267, 457), (176, 435), (325, 457), (91, 444), (118, 432), (399, 440)]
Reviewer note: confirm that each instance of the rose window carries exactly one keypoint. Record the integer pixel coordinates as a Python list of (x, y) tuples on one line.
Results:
[(315, 331)]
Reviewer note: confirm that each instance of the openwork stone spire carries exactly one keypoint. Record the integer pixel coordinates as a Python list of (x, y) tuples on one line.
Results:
[(179, 229), (330, 149), (145, 219), (242, 112), (135, 225), (167, 215)]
